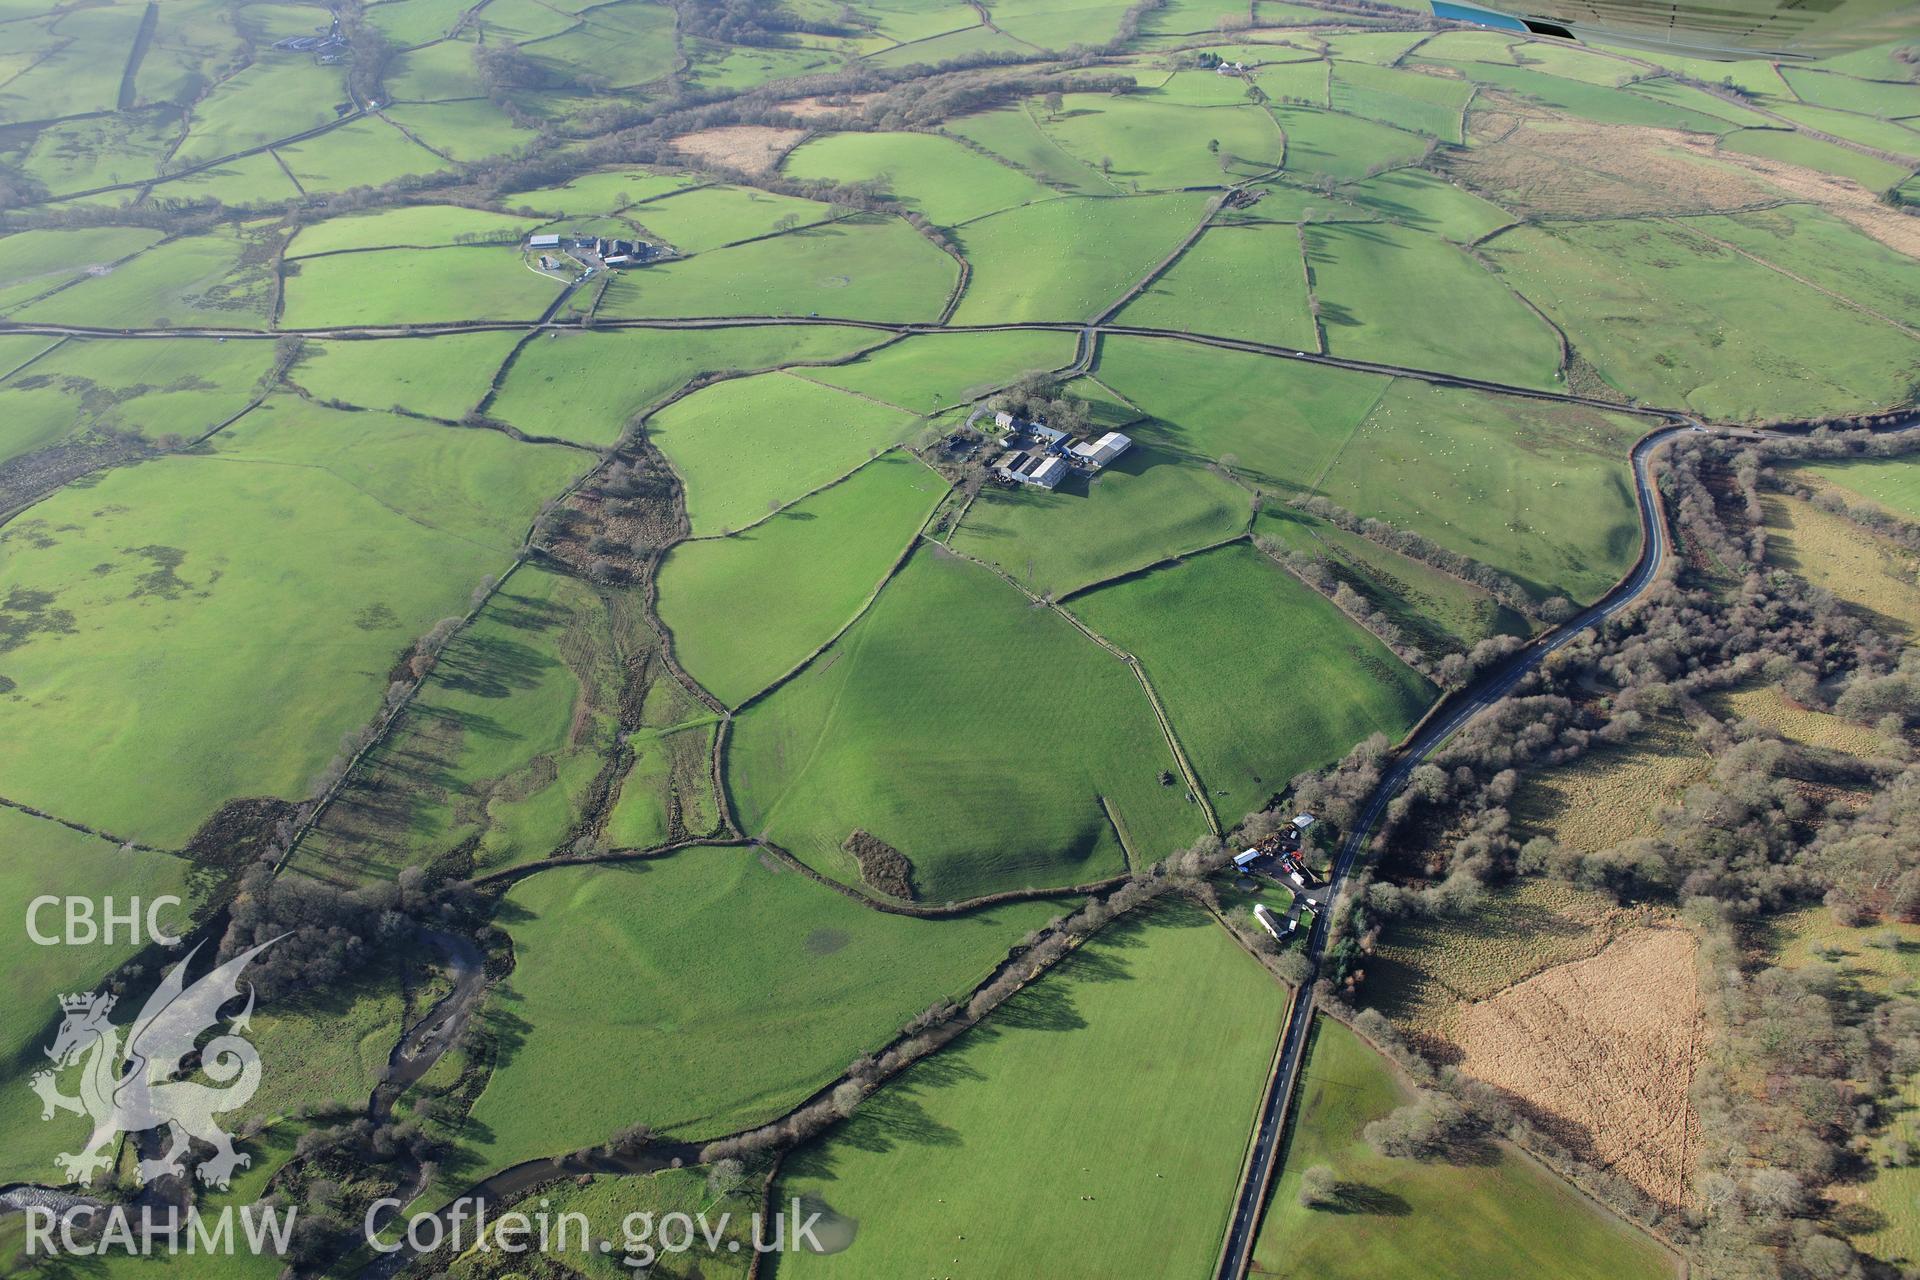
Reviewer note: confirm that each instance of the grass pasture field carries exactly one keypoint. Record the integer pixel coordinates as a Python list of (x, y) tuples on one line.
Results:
[(1392, 295), (1342, 146), (704, 218), (587, 387), (418, 226), (1068, 259), (359, 153), (1259, 273), (1653, 308), (941, 178), (1139, 143), (1166, 1023), (746, 447), (1890, 483), (1279, 424), (1815, 246), (614, 1207), (229, 576), (1870, 172), (1014, 134), (1262, 677), (398, 286), (1427, 202), (1497, 465), (1437, 612), (444, 377), (498, 751), (33, 263), (1505, 1215), (723, 946), (936, 371), (830, 550), (1066, 774), (221, 278), (86, 866), (862, 268), (154, 388), (1424, 104)]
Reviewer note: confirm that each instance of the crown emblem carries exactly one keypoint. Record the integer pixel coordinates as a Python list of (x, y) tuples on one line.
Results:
[(85, 1002)]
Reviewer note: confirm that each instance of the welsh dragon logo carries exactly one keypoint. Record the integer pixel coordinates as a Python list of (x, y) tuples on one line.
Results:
[(135, 1090)]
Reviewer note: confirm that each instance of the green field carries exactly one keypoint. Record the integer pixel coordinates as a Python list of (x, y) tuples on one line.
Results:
[(1505, 1216), (398, 286), (1425, 202), (1278, 423), (154, 388), (932, 372), (91, 867), (1821, 248), (34, 262), (941, 178), (103, 583), (1126, 1080), (1013, 134), (271, 626), (501, 746), (1777, 144), (866, 268), (443, 377), (1068, 259), (413, 226), (1238, 282), (1673, 320), (1436, 611), (1426, 104), (1342, 146), (688, 960), (1893, 483), (1541, 492), (1262, 677), (588, 386), (1144, 144), (1394, 296), (920, 730), (221, 278), (713, 217), (829, 551), (746, 447)]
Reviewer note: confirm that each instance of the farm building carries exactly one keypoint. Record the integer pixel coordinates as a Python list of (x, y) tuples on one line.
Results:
[(543, 242), (1047, 436), (1246, 858), (1038, 470), (1098, 453)]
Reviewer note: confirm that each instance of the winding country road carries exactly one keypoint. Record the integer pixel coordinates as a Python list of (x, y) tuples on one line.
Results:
[(1458, 709)]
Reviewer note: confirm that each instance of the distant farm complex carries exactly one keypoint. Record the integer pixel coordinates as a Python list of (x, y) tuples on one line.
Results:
[(1040, 456)]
